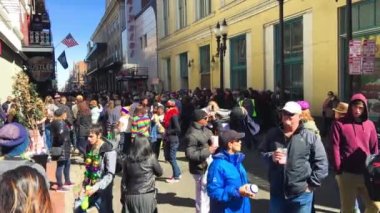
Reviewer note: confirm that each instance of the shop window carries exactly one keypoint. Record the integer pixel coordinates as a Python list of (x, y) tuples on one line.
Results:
[(293, 58), (183, 65), (205, 59), (367, 15)]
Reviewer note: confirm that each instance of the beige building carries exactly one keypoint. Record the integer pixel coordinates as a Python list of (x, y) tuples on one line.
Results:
[(77, 78), (315, 47)]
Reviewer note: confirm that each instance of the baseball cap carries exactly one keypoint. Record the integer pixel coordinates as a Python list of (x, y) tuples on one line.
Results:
[(292, 107), (304, 105), (230, 135), (199, 114)]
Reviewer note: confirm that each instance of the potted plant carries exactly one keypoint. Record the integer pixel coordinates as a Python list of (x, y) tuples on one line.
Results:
[(30, 112)]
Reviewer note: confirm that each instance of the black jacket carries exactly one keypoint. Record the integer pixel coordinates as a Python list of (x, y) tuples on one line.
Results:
[(306, 163), (197, 139), (84, 123), (60, 134), (139, 177), (174, 129)]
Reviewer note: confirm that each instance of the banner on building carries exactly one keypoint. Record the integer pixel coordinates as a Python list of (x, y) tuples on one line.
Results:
[(62, 60)]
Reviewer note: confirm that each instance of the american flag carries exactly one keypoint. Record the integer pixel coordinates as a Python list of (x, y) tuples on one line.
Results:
[(69, 41)]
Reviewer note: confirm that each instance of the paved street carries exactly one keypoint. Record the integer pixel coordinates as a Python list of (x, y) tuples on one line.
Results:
[(179, 197)]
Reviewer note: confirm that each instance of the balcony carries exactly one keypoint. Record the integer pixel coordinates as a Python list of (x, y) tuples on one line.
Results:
[(133, 73), (114, 59)]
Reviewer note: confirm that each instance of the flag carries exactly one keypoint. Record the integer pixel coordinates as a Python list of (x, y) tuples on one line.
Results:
[(69, 41), (62, 60)]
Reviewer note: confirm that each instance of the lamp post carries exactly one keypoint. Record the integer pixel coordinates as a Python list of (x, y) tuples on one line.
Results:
[(221, 39), (281, 48)]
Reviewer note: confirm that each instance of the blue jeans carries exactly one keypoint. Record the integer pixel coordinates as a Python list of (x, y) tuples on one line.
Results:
[(62, 166), (301, 203), (48, 135), (171, 147)]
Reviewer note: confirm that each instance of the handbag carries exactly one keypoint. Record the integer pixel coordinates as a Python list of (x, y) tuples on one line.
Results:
[(56, 151)]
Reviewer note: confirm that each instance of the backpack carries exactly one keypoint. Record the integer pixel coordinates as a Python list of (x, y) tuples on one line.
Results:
[(372, 176)]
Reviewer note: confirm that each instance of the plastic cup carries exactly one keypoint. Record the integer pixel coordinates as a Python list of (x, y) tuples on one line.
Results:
[(214, 141), (284, 156)]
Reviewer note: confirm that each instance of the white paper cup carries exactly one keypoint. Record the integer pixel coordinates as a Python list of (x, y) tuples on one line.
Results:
[(215, 141)]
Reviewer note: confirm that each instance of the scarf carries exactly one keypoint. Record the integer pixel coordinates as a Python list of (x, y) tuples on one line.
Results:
[(173, 111)]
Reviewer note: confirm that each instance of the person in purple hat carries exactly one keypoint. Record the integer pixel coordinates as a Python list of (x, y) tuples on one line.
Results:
[(307, 119)]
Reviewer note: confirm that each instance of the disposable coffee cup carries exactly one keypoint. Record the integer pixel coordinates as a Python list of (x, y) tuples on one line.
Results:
[(253, 188), (215, 141), (284, 156)]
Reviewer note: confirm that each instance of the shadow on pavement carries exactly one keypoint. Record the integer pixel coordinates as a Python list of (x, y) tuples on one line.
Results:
[(171, 198), (259, 205)]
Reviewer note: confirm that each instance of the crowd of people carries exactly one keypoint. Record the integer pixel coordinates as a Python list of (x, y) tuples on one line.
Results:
[(129, 130)]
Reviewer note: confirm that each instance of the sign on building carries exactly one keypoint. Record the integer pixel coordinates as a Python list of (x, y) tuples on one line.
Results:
[(369, 52), (355, 57), (362, 57)]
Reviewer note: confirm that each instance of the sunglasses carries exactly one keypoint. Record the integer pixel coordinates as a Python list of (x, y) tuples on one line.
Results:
[(288, 114)]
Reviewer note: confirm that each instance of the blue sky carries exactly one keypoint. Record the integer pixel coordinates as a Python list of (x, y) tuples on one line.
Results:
[(78, 17)]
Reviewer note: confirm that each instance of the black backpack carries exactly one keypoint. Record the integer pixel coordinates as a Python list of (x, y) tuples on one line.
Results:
[(372, 176)]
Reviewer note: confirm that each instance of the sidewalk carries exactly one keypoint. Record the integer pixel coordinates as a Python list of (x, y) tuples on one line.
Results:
[(179, 197)]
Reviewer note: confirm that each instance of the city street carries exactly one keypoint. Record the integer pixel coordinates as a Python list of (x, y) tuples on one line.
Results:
[(179, 197)]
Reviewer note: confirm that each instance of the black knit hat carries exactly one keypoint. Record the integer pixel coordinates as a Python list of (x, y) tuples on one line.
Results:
[(199, 115)]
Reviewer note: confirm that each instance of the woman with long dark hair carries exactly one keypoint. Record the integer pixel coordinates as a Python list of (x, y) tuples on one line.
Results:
[(60, 132), (24, 189), (83, 123), (138, 182)]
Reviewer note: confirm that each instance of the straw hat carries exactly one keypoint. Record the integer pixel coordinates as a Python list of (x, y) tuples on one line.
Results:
[(341, 108)]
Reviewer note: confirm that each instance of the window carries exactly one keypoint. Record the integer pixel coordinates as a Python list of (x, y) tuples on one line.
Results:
[(166, 17), (183, 65), (182, 13), (204, 53), (293, 58), (143, 41), (203, 8)]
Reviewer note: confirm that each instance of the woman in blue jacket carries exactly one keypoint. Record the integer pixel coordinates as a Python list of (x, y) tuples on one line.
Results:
[(227, 184)]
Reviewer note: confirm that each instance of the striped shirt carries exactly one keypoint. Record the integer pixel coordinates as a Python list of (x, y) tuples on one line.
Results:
[(140, 126)]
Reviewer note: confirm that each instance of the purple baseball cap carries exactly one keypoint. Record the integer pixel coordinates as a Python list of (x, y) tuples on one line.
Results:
[(304, 105)]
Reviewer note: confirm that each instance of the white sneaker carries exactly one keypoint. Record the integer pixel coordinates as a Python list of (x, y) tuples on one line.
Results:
[(172, 180)]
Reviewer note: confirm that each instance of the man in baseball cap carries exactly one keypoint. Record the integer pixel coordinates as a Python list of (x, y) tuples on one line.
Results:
[(286, 148)]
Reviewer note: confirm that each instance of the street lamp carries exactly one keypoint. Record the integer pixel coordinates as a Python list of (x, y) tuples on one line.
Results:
[(281, 48), (221, 38)]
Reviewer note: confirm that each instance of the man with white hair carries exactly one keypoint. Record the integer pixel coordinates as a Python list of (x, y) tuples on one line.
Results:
[(297, 163)]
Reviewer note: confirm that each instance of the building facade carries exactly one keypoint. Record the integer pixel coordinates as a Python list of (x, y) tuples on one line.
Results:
[(140, 47), (77, 78), (104, 57), (26, 45), (314, 53)]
